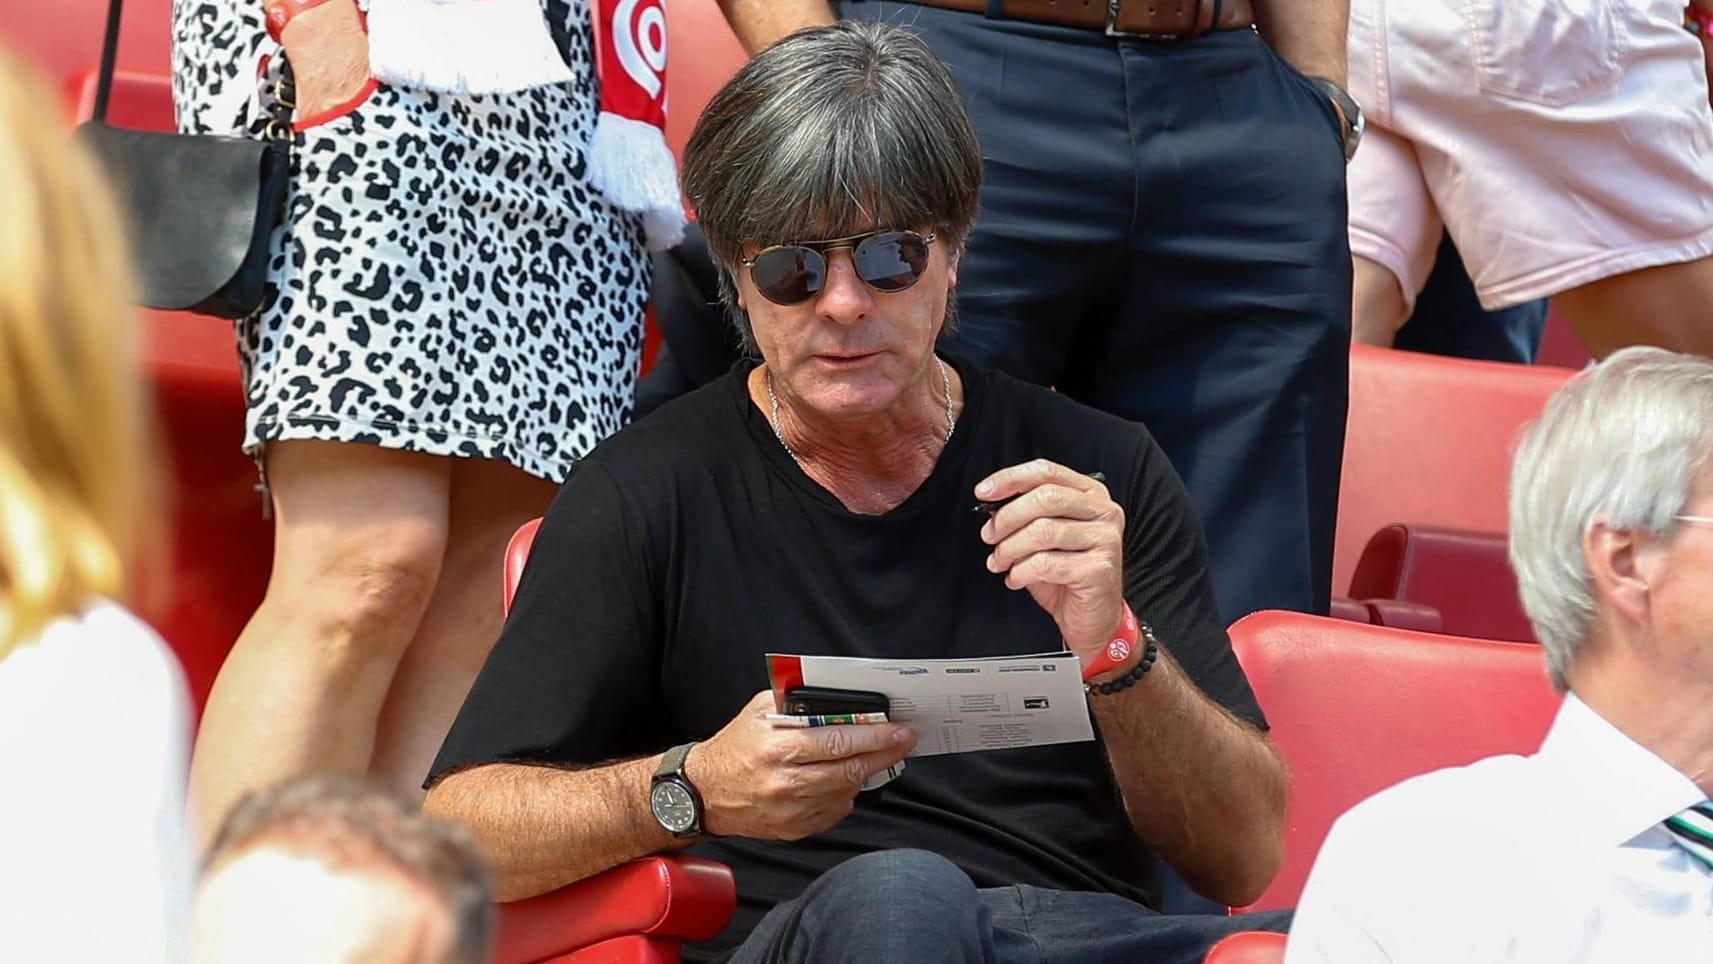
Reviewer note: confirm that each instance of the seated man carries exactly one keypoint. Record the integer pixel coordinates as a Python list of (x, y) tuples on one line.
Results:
[(332, 870), (1598, 848), (819, 501)]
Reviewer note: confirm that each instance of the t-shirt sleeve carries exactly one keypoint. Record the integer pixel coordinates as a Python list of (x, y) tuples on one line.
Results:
[(1167, 582), (577, 667)]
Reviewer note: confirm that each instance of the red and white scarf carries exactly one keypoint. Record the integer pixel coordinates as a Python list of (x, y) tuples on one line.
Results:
[(501, 46)]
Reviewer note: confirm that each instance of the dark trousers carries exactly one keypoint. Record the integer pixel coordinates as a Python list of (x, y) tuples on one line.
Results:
[(912, 906), (1449, 319), (1162, 235)]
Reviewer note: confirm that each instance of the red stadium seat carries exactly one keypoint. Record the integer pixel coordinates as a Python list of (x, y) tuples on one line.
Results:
[(1429, 441), (1463, 577), (637, 913), (63, 38), (1357, 708), (1248, 947), (140, 100)]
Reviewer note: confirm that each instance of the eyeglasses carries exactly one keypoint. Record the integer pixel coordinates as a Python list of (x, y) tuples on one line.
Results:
[(1704, 520), (790, 274)]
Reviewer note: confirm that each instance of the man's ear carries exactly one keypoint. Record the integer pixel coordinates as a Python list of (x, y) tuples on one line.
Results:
[(952, 269), (1622, 564)]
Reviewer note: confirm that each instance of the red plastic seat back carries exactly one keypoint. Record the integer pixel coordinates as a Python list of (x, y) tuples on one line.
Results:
[(1248, 947), (63, 37), (517, 555), (140, 101), (1356, 708), (1430, 440)]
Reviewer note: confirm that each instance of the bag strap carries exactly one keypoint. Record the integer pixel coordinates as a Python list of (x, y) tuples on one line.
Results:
[(285, 100), (109, 56)]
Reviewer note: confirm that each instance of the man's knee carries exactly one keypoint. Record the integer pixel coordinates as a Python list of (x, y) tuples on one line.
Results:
[(904, 898), (902, 873)]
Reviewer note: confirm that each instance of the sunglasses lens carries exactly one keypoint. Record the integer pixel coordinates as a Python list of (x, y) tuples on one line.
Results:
[(789, 274), (892, 261)]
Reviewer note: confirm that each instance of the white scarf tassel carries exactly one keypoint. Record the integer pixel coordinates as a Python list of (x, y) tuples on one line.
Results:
[(633, 169), (463, 46)]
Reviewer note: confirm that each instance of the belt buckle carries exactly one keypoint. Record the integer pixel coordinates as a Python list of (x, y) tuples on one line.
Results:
[(1112, 8)]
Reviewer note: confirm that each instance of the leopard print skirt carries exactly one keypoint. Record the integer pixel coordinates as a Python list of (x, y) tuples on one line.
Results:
[(446, 280)]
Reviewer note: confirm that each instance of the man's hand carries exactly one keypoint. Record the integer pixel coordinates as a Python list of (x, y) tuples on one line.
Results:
[(1061, 538), (329, 55), (785, 783), (759, 24)]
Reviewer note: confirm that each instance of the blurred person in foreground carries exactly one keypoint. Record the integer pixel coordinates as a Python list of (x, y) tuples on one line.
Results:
[(94, 714), (338, 870), (819, 499), (1599, 847)]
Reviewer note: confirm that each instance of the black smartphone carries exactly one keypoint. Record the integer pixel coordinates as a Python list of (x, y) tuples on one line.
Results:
[(827, 701)]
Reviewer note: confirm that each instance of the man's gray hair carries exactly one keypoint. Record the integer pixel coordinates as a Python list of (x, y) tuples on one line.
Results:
[(1624, 443), (349, 822), (828, 133)]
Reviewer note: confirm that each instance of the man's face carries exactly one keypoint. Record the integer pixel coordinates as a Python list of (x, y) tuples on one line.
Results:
[(850, 350), (266, 906), (1680, 597)]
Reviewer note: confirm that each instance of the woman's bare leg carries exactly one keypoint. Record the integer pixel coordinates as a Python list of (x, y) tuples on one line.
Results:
[(360, 533), (1377, 304), (490, 500)]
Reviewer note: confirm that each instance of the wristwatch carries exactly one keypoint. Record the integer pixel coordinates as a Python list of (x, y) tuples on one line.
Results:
[(1354, 123), (672, 798)]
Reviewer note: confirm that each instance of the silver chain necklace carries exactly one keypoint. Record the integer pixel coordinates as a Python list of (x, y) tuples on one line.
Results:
[(773, 400)]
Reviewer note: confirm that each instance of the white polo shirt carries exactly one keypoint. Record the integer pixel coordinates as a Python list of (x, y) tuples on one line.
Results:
[(1557, 857)]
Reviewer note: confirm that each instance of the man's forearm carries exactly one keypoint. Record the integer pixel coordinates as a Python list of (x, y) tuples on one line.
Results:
[(1309, 34), (543, 828), (758, 23), (1203, 788)]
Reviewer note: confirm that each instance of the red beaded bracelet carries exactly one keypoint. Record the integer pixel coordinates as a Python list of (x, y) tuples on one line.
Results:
[(1143, 665), (280, 13)]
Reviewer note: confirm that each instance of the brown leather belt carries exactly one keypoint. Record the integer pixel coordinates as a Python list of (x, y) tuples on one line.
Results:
[(1147, 19)]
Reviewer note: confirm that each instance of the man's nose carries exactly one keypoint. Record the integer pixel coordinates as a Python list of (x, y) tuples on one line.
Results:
[(844, 298)]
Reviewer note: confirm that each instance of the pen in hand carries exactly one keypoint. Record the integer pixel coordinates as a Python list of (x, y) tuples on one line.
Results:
[(991, 507)]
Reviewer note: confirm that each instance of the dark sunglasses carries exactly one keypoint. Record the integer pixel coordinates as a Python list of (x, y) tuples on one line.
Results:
[(790, 274)]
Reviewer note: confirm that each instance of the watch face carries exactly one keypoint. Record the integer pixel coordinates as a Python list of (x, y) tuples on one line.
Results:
[(673, 807)]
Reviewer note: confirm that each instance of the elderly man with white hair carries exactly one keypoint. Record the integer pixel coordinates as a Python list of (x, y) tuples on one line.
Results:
[(1599, 847)]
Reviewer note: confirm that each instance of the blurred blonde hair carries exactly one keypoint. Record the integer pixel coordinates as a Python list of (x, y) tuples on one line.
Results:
[(73, 413)]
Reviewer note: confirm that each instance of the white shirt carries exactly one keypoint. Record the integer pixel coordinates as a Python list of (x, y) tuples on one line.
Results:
[(1555, 858), (94, 861)]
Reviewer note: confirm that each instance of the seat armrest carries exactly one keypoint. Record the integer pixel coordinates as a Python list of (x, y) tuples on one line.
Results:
[(1343, 607), (676, 896), (1403, 614), (1465, 576)]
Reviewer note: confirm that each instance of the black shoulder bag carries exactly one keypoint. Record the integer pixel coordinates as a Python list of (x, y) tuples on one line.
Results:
[(201, 208)]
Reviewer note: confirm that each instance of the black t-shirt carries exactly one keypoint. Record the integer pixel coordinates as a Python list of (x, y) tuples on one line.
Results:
[(689, 545)]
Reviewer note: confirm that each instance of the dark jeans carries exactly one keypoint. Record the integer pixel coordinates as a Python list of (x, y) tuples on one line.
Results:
[(914, 906), (1162, 236)]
